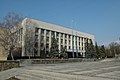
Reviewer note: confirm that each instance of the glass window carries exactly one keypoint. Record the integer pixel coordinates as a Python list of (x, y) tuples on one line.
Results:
[(69, 47), (69, 36), (57, 34), (61, 34), (65, 35), (61, 41), (65, 41), (42, 31), (36, 30), (47, 39), (47, 32)]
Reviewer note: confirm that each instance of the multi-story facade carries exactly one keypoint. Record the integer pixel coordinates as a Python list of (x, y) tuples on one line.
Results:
[(37, 34)]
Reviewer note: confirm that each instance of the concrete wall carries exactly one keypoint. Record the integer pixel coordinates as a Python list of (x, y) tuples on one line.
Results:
[(4, 65), (53, 61)]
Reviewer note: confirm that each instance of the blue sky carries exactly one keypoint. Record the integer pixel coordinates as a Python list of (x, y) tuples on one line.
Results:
[(98, 17)]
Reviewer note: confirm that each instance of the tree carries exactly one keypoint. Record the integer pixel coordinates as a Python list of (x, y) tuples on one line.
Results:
[(89, 48), (54, 47), (29, 38), (9, 37), (97, 51), (63, 53), (114, 49), (102, 52)]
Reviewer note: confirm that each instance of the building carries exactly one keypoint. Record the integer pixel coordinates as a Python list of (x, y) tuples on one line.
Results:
[(37, 34)]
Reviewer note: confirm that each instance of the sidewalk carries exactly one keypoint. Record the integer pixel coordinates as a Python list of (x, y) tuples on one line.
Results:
[(10, 73)]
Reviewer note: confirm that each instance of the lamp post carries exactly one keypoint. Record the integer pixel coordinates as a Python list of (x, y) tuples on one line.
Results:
[(72, 40), (74, 25), (72, 44), (76, 46)]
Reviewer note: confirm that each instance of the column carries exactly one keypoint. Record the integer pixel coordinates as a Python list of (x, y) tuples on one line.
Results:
[(45, 41), (67, 42), (39, 41), (49, 40), (71, 41), (83, 47), (59, 42), (55, 35), (83, 44), (80, 44), (75, 43), (63, 40)]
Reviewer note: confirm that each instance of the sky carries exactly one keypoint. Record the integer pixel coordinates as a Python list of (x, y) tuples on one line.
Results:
[(98, 17)]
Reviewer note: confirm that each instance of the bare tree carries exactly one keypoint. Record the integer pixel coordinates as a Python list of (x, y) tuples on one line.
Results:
[(9, 36), (29, 38), (114, 48)]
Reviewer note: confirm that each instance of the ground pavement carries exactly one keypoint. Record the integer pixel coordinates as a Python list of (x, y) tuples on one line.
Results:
[(100, 70)]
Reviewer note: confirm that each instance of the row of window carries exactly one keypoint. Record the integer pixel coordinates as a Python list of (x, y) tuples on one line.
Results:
[(57, 35), (69, 41), (47, 46)]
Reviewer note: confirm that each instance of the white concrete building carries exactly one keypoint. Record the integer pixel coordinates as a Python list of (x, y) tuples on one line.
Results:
[(38, 34)]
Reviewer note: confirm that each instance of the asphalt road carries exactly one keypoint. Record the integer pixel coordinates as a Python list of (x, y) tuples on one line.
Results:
[(100, 70)]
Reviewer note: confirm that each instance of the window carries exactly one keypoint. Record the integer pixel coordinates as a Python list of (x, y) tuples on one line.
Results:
[(36, 44), (47, 32), (69, 47), (36, 30), (47, 46), (82, 39), (82, 48), (61, 34), (61, 41), (65, 41), (47, 39), (42, 31), (36, 38), (61, 46), (69, 42), (42, 39), (53, 33), (57, 34), (79, 38), (42, 45), (57, 39), (65, 35), (69, 36), (65, 47), (82, 43), (79, 48)]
